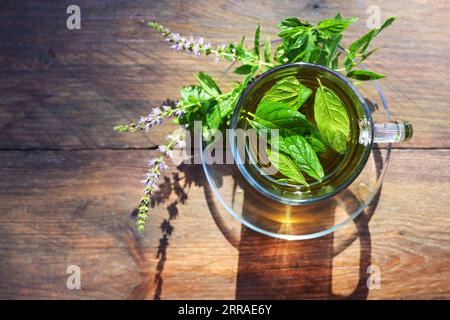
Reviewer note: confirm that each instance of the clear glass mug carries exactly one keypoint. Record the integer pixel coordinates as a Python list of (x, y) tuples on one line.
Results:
[(349, 167)]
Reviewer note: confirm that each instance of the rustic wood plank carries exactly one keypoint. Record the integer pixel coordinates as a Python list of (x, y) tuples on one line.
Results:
[(67, 89), (60, 208)]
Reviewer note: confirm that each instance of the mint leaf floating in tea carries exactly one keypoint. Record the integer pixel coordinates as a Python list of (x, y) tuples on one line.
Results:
[(331, 118), (289, 91), (315, 140), (304, 156), (277, 115), (266, 132), (286, 166)]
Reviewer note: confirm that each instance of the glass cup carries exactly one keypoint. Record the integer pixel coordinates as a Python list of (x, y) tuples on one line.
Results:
[(349, 167)]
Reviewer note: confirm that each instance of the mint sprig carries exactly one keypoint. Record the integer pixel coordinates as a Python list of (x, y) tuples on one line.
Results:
[(304, 42)]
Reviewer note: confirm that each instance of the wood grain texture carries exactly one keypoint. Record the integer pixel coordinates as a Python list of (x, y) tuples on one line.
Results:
[(67, 89), (60, 208), (69, 185)]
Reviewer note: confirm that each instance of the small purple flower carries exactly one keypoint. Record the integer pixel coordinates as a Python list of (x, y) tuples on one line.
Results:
[(219, 52), (175, 37), (196, 50), (142, 120), (162, 148), (149, 182), (158, 120), (163, 166), (178, 46), (179, 113)]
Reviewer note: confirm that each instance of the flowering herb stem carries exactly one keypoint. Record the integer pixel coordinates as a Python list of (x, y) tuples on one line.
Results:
[(198, 47), (150, 181)]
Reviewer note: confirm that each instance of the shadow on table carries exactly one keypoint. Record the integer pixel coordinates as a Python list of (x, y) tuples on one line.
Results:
[(270, 268), (172, 193)]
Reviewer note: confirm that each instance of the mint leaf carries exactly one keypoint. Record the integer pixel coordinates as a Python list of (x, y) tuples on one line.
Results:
[(330, 47), (218, 111), (288, 91), (286, 166), (331, 118), (260, 128), (335, 26), (228, 103), (208, 84), (213, 115), (276, 115), (299, 36), (304, 156), (292, 22), (303, 94), (257, 39), (364, 75), (315, 140), (244, 69), (307, 48), (267, 50), (193, 95)]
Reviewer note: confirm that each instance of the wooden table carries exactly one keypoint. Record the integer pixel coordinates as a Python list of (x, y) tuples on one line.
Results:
[(69, 184)]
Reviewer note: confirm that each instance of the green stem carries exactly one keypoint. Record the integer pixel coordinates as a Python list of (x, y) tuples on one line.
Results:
[(251, 114), (260, 62)]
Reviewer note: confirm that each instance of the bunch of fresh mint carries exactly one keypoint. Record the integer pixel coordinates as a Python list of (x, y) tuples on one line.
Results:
[(206, 102)]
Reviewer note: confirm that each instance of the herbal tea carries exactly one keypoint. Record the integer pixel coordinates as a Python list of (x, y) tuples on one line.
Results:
[(316, 135)]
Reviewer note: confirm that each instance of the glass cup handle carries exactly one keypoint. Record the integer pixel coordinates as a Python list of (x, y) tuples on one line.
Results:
[(394, 131)]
